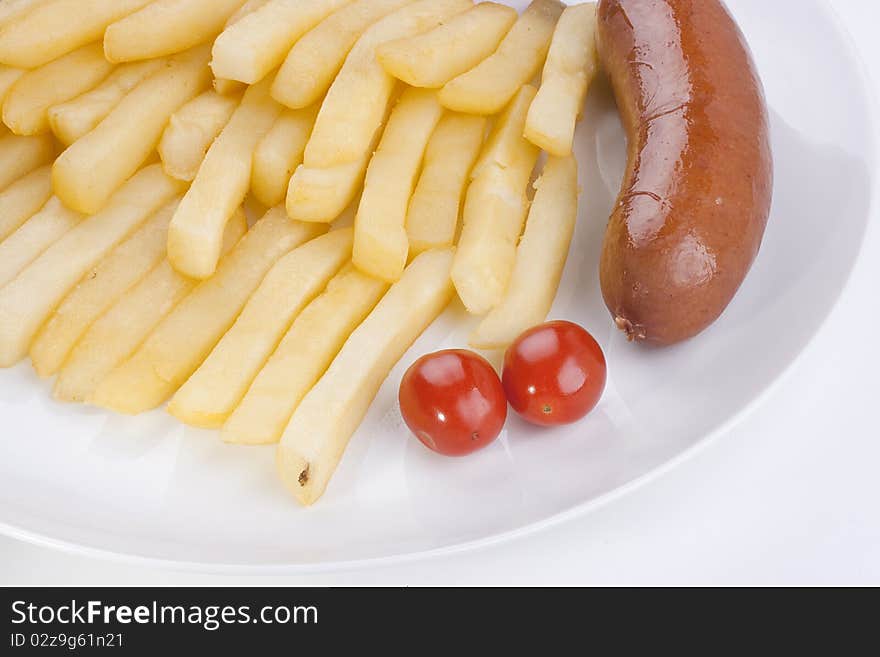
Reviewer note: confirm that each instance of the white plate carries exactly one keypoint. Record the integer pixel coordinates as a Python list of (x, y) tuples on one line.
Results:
[(148, 488)]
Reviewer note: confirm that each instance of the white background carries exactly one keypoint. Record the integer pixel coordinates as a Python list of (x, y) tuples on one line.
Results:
[(791, 495)]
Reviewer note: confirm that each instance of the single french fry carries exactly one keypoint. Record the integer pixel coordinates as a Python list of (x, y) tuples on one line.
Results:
[(24, 198), (166, 27), (494, 210), (99, 289), (53, 29), (279, 153), (20, 155), (116, 334), (249, 49), (571, 65), (360, 94), (33, 237), (28, 300), (75, 118), (216, 387), (304, 354), (185, 337), (196, 232), (223, 86), (381, 246), (322, 194), (25, 109), (8, 77), (489, 86), (90, 170), (432, 59), (323, 423), (191, 131), (540, 258), (432, 217), (315, 60)]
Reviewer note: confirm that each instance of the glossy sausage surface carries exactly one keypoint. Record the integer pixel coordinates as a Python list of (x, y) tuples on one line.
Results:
[(696, 195)]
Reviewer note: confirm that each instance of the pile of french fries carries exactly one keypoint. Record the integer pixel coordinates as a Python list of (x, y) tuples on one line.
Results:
[(135, 132)]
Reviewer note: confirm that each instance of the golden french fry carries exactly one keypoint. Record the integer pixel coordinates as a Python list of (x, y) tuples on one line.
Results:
[(75, 118), (279, 153), (116, 334), (495, 210), (540, 258), (570, 68), (8, 77), (249, 49), (322, 194), (221, 85), (33, 237), (432, 59), (99, 289), (314, 61), (381, 246), (432, 217), (490, 85), (28, 300), (185, 337), (55, 28), (166, 27), (25, 109), (304, 354), (24, 198), (216, 387), (191, 131), (90, 170), (360, 94), (322, 424), (20, 155), (196, 232)]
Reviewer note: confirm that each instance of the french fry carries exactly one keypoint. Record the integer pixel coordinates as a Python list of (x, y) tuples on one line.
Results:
[(489, 86), (8, 77), (166, 27), (25, 109), (249, 49), (216, 387), (11, 9), (381, 246), (304, 354), (33, 237), (540, 258), (99, 289), (494, 210), (24, 198), (90, 170), (279, 153), (191, 131), (185, 337), (20, 155), (75, 118), (314, 61), (221, 85), (116, 334), (432, 217), (432, 59), (196, 232), (322, 424), (53, 29), (322, 194), (28, 300), (360, 94), (570, 68)]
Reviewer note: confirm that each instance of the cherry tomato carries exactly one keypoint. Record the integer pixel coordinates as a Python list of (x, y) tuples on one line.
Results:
[(554, 374), (453, 401)]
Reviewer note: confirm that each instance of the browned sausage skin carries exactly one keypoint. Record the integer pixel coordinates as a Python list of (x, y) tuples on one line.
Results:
[(694, 202)]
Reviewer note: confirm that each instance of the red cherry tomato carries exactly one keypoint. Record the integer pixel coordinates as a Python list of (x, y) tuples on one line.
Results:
[(554, 373), (453, 401)]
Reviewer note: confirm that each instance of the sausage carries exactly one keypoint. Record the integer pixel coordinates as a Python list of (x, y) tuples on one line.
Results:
[(696, 194)]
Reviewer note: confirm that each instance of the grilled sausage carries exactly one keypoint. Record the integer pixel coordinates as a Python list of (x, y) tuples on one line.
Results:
[(696, 195)]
